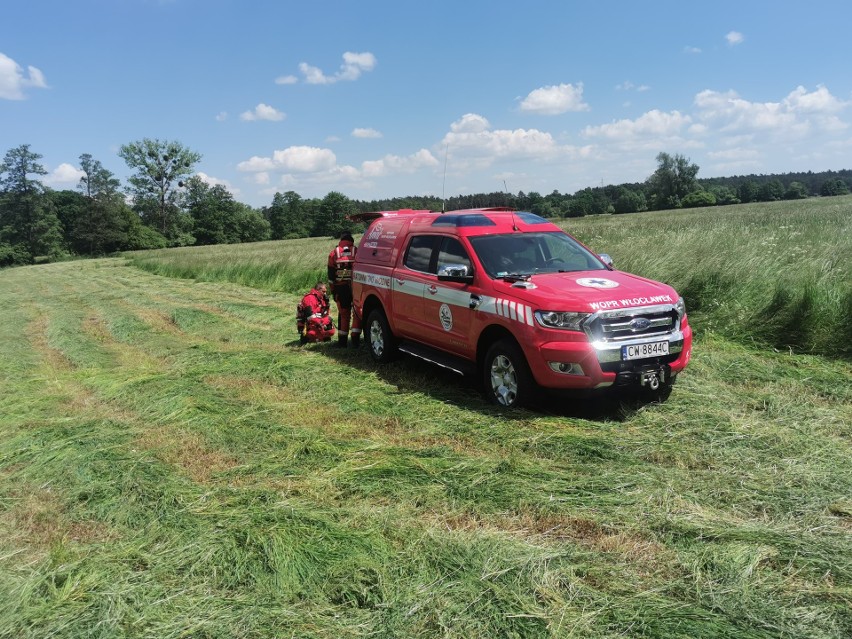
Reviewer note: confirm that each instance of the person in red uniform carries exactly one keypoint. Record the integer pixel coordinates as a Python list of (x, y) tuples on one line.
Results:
[(340, 275), (312, 319)]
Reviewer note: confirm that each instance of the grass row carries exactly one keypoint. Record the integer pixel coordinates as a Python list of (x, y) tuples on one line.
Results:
[(172, 464)]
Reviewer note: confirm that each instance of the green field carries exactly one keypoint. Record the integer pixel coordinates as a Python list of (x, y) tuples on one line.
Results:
[(173, 464)]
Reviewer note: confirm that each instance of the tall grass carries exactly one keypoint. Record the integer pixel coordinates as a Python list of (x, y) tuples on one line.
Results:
[(770, 273), (291, 265), (773, 273)]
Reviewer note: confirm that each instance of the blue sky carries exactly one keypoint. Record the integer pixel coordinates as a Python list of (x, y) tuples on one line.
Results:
[(380, 99)]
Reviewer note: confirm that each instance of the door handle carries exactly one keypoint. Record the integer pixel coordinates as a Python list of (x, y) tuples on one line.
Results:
[(475, 301), (432, 289)]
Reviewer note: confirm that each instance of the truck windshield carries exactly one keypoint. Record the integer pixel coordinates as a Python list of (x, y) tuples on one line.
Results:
[(531, 253)]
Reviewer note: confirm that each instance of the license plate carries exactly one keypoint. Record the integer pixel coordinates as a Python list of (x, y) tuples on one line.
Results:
[(641, 351)]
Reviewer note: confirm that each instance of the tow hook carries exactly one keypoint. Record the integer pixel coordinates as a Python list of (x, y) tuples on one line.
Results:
[(652, 379)]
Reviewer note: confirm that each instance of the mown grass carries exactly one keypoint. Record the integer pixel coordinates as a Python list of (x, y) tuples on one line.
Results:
[(173, 464)]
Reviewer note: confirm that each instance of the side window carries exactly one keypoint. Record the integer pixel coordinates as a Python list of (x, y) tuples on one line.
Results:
[(419, 253), (452, 252)]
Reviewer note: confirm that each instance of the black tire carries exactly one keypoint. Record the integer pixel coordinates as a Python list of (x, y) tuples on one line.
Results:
[(383, 344), (506, 378)]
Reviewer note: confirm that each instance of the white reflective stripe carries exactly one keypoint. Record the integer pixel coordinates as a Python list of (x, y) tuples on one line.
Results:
[(517, 311), (450, 296), (372, 279), (502, 307)]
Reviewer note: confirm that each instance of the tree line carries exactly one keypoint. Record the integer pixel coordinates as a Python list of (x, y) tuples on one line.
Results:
[(165, 204)]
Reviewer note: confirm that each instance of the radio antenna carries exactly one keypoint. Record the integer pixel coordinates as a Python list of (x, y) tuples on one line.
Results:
[(444, 184)]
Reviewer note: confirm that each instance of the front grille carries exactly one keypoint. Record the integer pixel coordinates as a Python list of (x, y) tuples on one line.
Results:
[(632, 323)]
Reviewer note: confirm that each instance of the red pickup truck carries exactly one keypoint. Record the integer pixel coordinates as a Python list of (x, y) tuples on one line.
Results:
[(510, 297)]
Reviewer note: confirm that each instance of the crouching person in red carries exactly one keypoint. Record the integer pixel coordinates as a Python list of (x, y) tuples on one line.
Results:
[(312, 319)]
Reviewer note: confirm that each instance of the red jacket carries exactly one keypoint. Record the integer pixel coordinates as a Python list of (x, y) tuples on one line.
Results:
[(313, 304), (340, 263)]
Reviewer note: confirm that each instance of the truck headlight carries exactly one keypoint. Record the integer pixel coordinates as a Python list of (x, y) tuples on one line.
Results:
[(561, 319), (680, 307)]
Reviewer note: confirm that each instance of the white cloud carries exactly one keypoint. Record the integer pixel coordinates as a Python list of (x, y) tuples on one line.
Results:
[(470, 123), (739, 154), (795, 116), (221, 116), (354, 64), (64, 174), (286, 79), (692, 50), (304, 159), (212, 181), (734, 38), (819, 101), (13, 82), (554, 100), (472, 145), (301, 159), (655, 123), (630, 86), (263, 112), (366, 133), (396, 164)]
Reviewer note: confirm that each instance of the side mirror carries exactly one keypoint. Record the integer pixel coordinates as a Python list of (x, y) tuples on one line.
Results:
[(454, 273), (606, 259)]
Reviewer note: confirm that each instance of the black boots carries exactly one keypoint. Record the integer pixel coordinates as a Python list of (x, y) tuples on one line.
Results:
[(356, 340), (341, 341)]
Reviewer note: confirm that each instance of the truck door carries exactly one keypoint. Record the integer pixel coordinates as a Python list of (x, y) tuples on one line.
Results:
[(447, 313), (408, 283)]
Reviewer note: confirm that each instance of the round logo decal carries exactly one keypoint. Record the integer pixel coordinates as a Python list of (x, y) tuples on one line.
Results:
[(446, 316), (596, 282)]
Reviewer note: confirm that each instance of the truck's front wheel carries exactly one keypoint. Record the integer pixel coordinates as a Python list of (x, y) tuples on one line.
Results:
[(383, 346), (507, 380)]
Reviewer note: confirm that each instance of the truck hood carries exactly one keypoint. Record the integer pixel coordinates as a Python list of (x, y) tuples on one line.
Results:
[(589, 291)]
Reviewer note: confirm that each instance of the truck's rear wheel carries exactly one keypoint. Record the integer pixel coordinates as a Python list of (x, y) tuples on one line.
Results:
[(507, 380), (383, 346)]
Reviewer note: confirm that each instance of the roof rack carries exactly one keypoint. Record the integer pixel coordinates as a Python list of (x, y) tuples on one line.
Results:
[(372, 215)]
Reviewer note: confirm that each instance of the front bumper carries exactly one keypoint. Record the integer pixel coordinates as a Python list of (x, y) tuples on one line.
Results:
[(599, 364)]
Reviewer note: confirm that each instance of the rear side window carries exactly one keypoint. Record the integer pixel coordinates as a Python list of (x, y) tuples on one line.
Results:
[(419, 253)]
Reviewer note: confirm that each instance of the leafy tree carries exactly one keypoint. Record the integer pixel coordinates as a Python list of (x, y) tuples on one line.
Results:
[(28, 222), (160, 168), (102, 225), (251, 225), (588, 202), (69, 206), (748, 191), (333, 211), (672, 181), (698, 198), (834, 187), (796, 191), (140, 237), (630, 201), (770, 191), (218, 218), (287, 217), (724, 195)]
